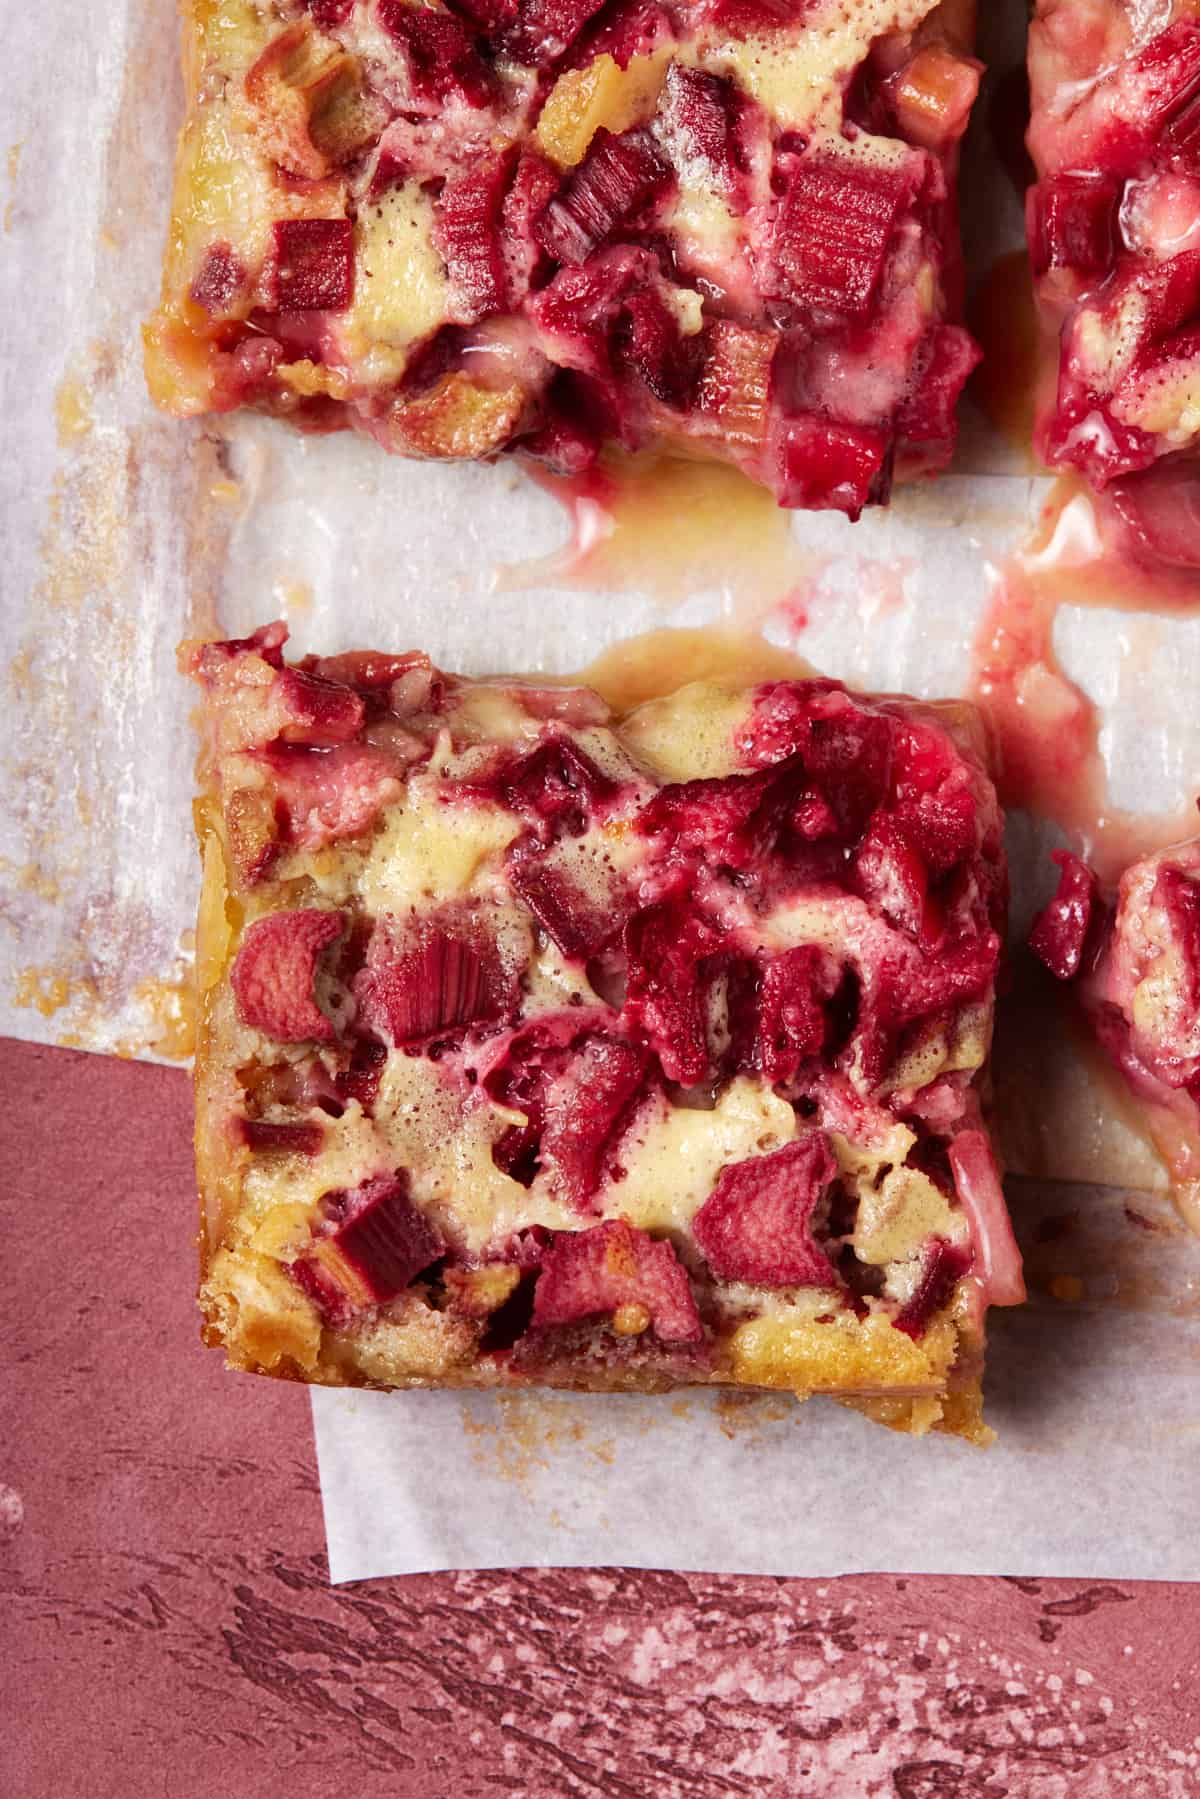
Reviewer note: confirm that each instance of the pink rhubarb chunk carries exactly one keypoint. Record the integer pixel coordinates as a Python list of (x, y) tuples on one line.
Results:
[(375, 1243), (977, 1183), (1067, 933), (274, 973), (314, 265), (615, 179), (587, 1108), (596, 1273), (756, 1225), (424, 980)]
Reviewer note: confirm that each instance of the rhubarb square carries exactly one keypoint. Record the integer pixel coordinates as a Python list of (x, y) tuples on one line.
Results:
[(724, 228), (1132, 958), (1114, 230), (546, 1044)]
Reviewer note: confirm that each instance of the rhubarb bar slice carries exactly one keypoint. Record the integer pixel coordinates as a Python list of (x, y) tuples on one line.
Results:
[(1133, 960), (1114, 229), (541, 1045), (726, 227)]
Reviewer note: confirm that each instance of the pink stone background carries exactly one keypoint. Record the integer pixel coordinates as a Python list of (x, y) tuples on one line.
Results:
[(166, 1627)]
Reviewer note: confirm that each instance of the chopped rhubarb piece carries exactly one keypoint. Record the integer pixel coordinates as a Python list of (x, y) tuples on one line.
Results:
[(926, 420), (823, 463), (732, 822), (487, 16), (468, 236), (665, 995), (428, 979), (326, 794), (834, 230), (944, 1267), (791, 1022), (545, 28), (378, 1241), (220, 280), (317, 711), (650, 342), (610, 1269), (735, 386), (266, 1138), (360, 1081), (613, 182), (1073, 224), (756, 1224), (1068, 932), (557, 788), (977, 1182), (701, 110), (890, 870), (579, 909), (587, 1107), (314, 265), (443, 62), (275, 972), (329, 14)]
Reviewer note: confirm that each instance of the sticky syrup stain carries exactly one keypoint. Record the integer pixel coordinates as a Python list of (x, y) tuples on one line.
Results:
[(72, 411), (1004, 323), (170, 1011), (655, 663), (12, 163), (670, 528), (1047, 728)]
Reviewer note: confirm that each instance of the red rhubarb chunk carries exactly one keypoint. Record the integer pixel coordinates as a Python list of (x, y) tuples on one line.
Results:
[(487, 16), (833, 231), (326, 794), (427, 979), (731, 821), (889, 871), (267, 642), (823, 463), (927, 417), (701, 111), (587, 1109), (943, 1268), (274, 973), (1072, 224), (221, 278), (1068, 932), (317, 711), (648, 341), (666, 989), (545, 28), (468, 236), (614, 181), (330, 13), (756, 1225), (577, 913), (557, 788), (314, 265), (791, 1010), (443, 62), (598, 1273), (380, 1236), (267, 1138)]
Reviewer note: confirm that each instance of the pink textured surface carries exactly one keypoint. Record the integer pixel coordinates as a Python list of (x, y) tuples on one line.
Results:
[(167, 1626)]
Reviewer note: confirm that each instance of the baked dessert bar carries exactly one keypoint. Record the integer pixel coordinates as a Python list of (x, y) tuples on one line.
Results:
[(1114, 229), (541, 1045), (1134, 961), (726, 227)]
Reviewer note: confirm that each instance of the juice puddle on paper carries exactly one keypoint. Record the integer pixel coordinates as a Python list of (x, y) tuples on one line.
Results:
[(670, 528), (1046, 726)]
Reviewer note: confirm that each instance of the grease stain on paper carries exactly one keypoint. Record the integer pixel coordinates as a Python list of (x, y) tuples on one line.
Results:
[(528, 1431), (670, 528)]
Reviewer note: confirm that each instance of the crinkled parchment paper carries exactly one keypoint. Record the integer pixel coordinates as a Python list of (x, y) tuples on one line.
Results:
[(126, 532)]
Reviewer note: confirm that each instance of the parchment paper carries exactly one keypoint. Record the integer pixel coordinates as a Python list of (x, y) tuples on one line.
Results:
[(125, 532)]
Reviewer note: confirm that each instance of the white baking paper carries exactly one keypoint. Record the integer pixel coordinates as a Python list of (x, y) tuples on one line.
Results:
[(125, 532)]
